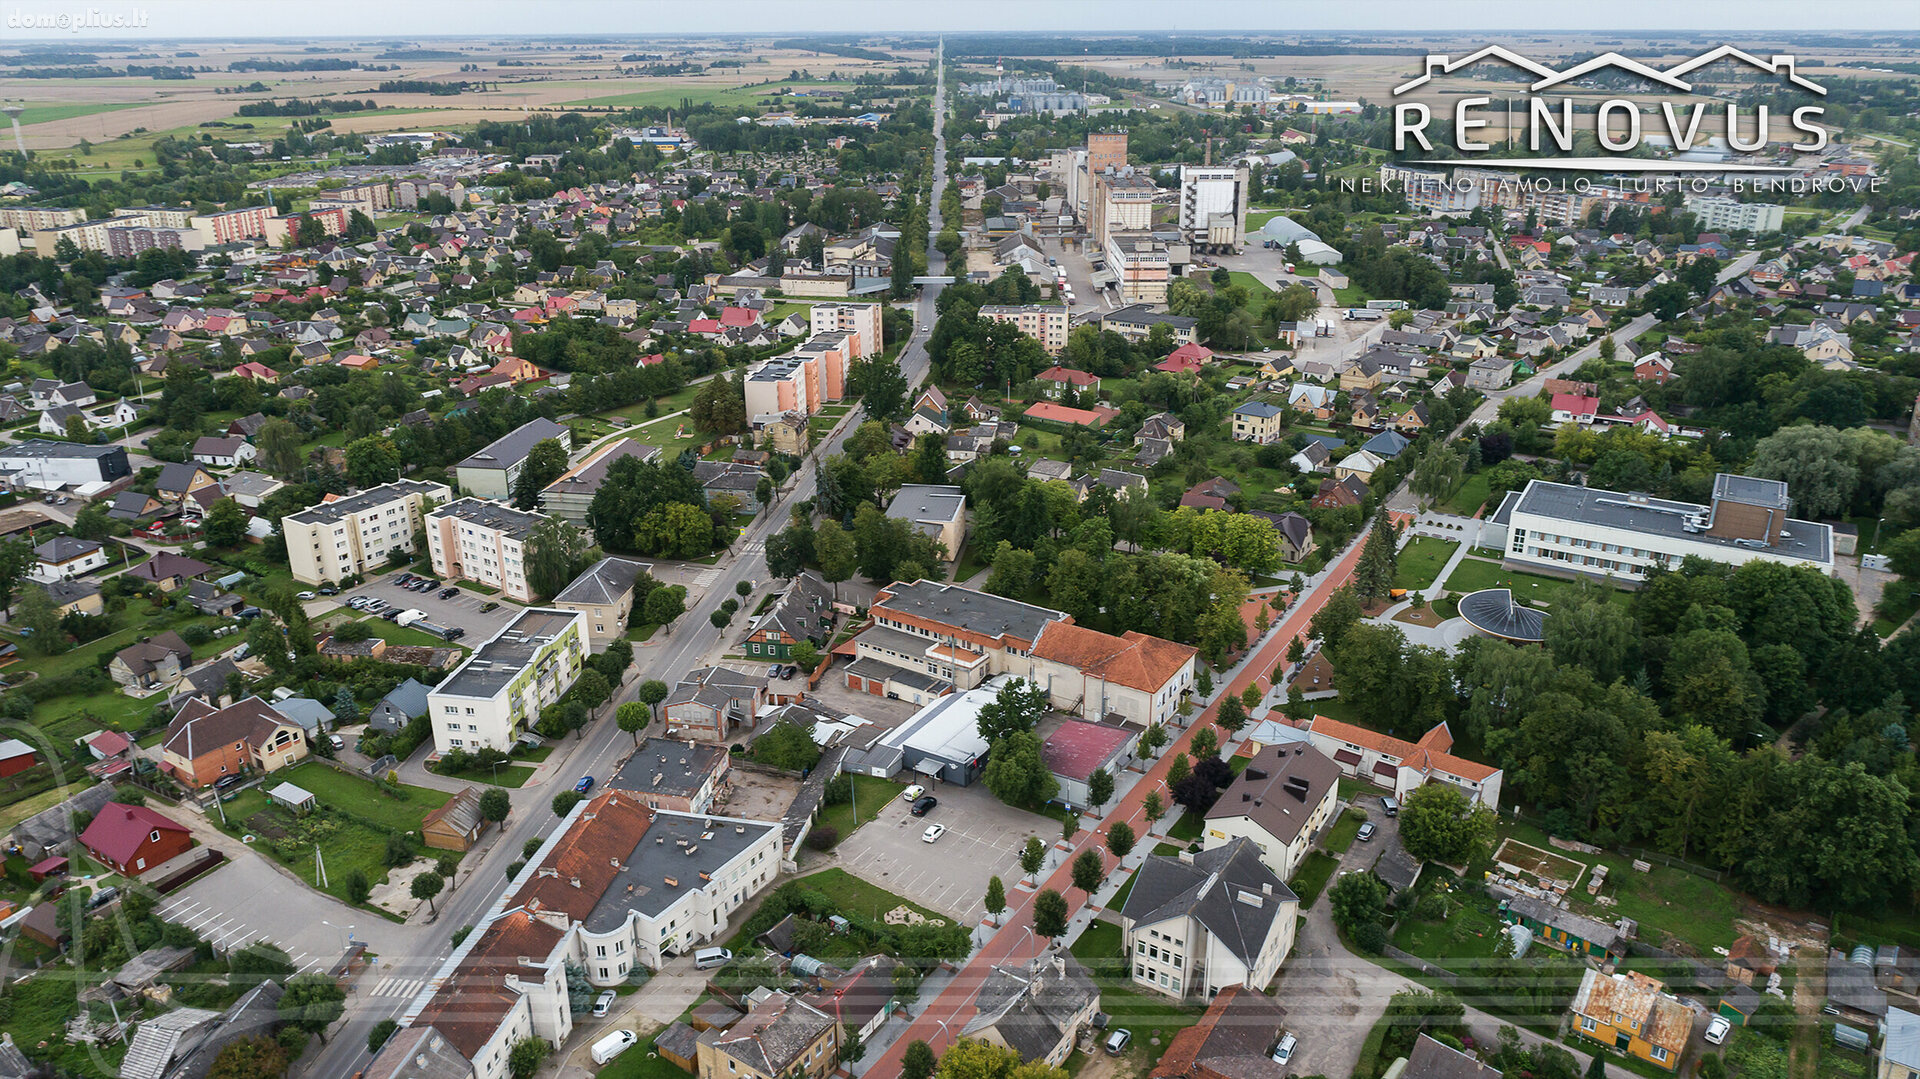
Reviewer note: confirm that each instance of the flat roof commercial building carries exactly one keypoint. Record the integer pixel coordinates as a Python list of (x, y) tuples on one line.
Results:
[(1567, 530), (355, 535), (45, 465), (491, 472), (491, 699)]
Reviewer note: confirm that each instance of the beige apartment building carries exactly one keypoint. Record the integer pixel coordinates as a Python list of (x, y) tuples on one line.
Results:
[(475, 540), (1045, 323), (861, 320), (355, 535)]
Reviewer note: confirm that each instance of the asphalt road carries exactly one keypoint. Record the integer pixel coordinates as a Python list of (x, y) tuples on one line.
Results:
[(670, 654)]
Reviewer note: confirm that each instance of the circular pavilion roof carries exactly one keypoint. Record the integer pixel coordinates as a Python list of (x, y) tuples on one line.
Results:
[(1493, 612)]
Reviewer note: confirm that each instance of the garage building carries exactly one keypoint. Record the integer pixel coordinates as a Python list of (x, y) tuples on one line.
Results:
[(941, 741), (1078, 749)]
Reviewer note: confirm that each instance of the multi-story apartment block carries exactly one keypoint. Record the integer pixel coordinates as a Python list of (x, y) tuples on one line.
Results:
[(491, 699), (332, 218), (227, 226), (35, 218), (1721, 214), (1045, 323), (356, 535), (1143, 265), (472, 539), (862, 320), (800, 382), (1430, 191), (1213, 204), (1570, 530)]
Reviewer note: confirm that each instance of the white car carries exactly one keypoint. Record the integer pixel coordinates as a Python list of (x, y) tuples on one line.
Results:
[(1718, 1029), (603, 1003), (913, 793), (1283, 1051), (306, 595), (933, 832)]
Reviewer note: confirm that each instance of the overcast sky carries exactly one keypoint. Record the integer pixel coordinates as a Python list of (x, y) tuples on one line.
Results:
[(360, 18)]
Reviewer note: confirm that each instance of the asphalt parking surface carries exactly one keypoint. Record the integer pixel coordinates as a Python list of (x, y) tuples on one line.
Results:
[(462, 609), (983, 839)]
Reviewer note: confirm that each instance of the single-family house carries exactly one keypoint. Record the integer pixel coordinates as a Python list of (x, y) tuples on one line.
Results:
[(1632, 1012), (132, 839)]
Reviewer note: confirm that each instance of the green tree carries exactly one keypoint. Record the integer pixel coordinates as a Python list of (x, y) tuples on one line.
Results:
[(664, 604), (1439, 824), (1153, 807), (1232, 714), (372, 461), (918, 1061), (278, 442), (312, 1002), (838, 556), (1205, 743), (1373, 574), (633, 718), (377, 1037), (787, 744), (1016, 773), (526, 1056), (36, 611), (1099, 787), (564, 802), (254, 1057), (1088, 870), (544, 463), (1050, 914), (1178, 769), (652, 692), (1012, 570), (1033, 855), (1357, 899), (426, 886), (556, 552), (1016, 708), (495, 804), (358, 887), (225, 524), (1120, 839), (996, 899)]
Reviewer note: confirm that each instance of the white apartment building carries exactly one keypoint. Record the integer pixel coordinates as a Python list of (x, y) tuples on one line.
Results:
[(1717, 213), (862, 320), (1570, 530), (1045, 323), (492, 698), (472, 539), (35, 218), (1430, 191), (355, 535), (1213, 204)]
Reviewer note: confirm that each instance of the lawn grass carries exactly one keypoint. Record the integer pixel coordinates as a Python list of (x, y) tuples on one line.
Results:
[(1186, 828), (1470, 932), (1905, 601), (1311, 878), (27, 807), (1531, 589), (1340, 836), (850, 893), (389, 632), (507, 775), (1471, 496), (869, 794), (1421, 561), (1665, 901), (363, 798), (1119, 899), (1148, 1015)]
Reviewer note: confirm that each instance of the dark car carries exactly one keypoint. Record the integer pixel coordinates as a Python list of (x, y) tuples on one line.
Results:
[(392, 614), (455, 633), (404, 579), (923, 806), (227, 782), (449, 592), (329, 590), (585, 785)]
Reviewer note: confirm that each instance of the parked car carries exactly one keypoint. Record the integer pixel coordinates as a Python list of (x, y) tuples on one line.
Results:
[(773, 670), (336, 741), (449, 592), (933, 832), (404, 580), (1283, 1052), (913, 793), (1118, 1041), (454, 633), (489, 606), (604, 1002), (922, 806), (306, 595), (227, 782), (1717, 1029), (392, 614), (789, 671), (585, 785), (1365, 833), (329, 590)]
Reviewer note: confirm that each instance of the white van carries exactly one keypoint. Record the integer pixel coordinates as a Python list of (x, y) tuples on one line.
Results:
[(613, 1045), (409, 617), (708, 958)]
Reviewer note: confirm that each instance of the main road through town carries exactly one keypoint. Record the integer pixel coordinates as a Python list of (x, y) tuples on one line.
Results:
[(666, 657)]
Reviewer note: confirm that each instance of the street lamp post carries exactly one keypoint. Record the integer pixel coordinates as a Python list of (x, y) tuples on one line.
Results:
[(345, 930)]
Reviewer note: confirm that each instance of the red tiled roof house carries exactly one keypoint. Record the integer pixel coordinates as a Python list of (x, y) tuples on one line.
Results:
[(132, 839)]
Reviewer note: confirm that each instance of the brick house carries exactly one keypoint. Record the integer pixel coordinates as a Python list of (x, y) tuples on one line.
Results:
[(132, 839), (204, 743)]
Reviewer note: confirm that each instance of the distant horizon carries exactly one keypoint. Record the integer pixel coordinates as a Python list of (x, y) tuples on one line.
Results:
[(187, 20)]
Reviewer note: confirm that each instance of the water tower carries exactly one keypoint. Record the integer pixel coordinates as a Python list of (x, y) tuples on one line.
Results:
[(13, 114)]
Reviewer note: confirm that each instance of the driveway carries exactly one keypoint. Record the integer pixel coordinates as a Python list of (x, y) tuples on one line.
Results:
[(461, 609), (983, 839)]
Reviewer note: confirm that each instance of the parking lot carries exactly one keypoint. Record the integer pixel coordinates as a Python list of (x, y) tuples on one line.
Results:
[(983, 839), (461, 609)]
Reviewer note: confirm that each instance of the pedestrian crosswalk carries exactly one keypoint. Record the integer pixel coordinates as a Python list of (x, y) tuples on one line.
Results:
[(395, 986), (706, 576)]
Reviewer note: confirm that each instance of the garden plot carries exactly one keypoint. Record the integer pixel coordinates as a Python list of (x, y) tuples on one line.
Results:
[(1550, 869)]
